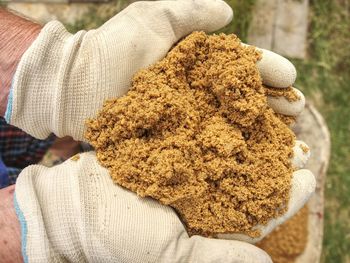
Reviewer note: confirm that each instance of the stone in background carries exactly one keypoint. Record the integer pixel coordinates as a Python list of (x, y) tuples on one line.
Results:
[(281, 26)]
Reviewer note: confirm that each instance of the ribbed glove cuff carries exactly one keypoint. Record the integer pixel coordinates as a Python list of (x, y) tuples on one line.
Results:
[(47, 204), (38, 94)]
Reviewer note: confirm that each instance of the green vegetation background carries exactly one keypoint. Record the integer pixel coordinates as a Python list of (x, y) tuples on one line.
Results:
[(325, 78)]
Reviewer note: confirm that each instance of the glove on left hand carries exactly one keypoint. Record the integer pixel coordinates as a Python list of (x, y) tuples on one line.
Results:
[(63, 79)]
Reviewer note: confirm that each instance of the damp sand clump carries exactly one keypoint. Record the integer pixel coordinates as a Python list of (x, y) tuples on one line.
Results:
[(195, 132), (289, 240)]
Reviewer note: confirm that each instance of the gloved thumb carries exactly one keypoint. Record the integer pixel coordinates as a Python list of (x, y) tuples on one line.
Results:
[(176, 18), (207, 250)]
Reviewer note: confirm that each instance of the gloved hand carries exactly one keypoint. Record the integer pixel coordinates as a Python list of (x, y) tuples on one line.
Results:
[(74, 212), (63, 79)]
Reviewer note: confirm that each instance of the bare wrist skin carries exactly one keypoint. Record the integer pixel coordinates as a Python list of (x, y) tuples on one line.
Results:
[(10, 232), (65, 147), (16, 35)]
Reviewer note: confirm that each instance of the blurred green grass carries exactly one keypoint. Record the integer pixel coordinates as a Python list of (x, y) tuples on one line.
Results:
[(97, 15), (242, 15), (325, 78)]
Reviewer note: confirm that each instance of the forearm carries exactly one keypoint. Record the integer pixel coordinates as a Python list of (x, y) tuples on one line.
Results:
[(16, 35), (10, 236)]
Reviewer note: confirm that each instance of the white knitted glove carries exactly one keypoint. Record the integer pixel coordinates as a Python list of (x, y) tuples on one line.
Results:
[(63, 79), (75, 213)]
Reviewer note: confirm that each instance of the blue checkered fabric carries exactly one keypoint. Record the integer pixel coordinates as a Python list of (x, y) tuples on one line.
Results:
[(17, 151)]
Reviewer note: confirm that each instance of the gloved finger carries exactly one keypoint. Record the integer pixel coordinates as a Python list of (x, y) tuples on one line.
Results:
[(179, 18), (301, 154), (303, 186), (208, 250), (275, 70), (284, 106)]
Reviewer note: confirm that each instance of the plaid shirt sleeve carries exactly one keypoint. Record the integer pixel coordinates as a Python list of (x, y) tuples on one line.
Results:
[(17, 151), (4, 177)]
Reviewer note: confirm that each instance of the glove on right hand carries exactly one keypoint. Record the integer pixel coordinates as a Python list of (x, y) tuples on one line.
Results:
[(74, 212)]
